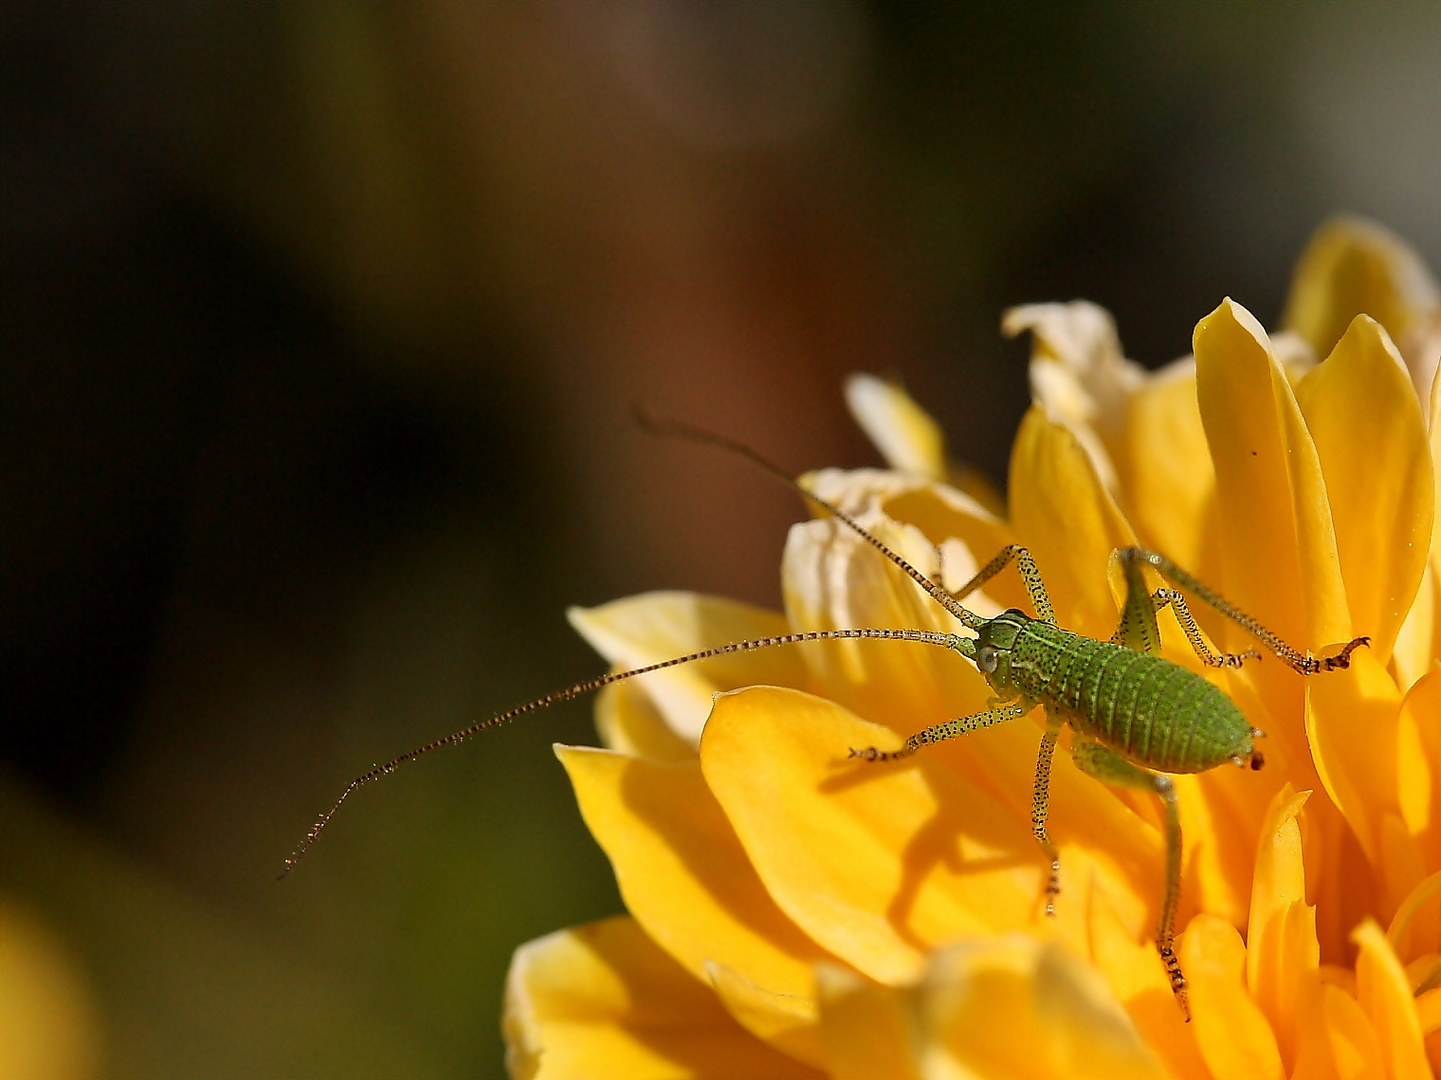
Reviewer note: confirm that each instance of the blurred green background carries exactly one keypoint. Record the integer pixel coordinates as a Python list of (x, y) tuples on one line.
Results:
[(321, 327)]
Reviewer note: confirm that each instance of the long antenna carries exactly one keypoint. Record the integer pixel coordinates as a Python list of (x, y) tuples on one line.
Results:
[(927, 637), (676, 429)]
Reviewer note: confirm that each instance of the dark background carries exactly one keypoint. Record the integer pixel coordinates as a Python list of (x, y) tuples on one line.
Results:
[(321, 327)]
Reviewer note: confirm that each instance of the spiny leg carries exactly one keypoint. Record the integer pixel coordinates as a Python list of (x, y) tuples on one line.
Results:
[(1109, 767), (1041, 806), (950, 729), (1301, 662), (1164, 598), (1030, 574)]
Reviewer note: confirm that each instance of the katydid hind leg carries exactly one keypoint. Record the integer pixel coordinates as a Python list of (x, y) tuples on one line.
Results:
[(1103, 763), (1301, 662)]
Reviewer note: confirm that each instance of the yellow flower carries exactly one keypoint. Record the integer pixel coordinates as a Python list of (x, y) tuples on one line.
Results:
[(796, 914)]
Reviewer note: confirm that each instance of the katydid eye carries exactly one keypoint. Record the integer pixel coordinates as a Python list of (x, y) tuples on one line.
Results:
[(987, 656)]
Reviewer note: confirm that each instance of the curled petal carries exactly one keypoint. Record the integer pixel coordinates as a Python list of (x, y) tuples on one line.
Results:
[(1079, 376)]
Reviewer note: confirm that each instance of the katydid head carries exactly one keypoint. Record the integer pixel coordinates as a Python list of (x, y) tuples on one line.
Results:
[(991, 649)]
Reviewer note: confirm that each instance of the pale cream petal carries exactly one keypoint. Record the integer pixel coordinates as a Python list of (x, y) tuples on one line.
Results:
[(833, 579), (602, 1001), (940, 511), (628, 721), (901, 430), (1079, 375), (653, 627)]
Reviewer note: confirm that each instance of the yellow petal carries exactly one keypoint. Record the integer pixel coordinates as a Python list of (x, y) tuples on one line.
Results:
[(1277, 547), (1414, 910), (1385, 995), (657, 626), (1231, 1029), (1435, 428), (1166, 473), (867, 1028), (1335, 1038), (789, 1022), (1011, 1006), (901, 430), (1370, 436), (1428, 1008), (1412, 654), (1419, 772), (1281, 945), (1063, 513), (879, 863), (683, 873), (1353, 267), (1351, 721), (604, 1002), (863, 858)]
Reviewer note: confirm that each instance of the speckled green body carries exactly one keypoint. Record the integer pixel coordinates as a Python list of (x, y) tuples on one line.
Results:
[(1155, 713)]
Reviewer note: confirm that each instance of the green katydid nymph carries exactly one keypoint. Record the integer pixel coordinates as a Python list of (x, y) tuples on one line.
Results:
[(1135, 717)]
